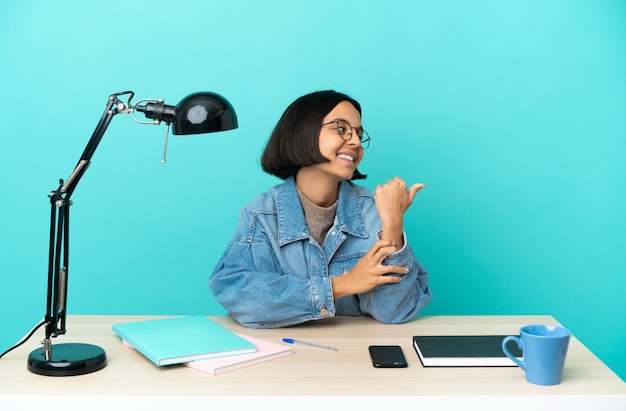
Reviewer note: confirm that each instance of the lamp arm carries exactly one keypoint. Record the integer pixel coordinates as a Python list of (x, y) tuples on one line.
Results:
[(114, 106), (59, 227)]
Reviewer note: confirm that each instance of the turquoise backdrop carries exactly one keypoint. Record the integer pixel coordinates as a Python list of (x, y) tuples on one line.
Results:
[(512, 112)]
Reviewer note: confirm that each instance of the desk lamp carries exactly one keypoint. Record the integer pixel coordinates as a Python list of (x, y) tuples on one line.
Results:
[(197, 113)]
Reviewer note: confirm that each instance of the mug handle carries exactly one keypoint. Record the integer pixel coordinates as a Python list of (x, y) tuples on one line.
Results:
[(518, 341)]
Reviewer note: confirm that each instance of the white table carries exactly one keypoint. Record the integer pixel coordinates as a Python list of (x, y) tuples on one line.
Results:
[(311, 377)]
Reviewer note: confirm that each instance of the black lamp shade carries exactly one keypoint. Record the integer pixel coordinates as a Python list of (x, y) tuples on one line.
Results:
[(204, 112)]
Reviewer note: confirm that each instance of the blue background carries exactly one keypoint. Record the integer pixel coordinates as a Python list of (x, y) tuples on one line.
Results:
[(512, 112)]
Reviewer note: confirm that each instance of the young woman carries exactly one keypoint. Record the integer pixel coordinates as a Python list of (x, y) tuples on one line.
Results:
[(318, 245)]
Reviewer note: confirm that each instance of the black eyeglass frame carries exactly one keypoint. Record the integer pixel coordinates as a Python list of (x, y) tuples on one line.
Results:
[(360, 132)]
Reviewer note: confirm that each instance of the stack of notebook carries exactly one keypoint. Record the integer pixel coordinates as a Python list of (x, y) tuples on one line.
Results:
[(198, 342)]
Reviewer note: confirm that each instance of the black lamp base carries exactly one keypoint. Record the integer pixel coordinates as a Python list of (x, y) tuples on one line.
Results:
[(67, 360)]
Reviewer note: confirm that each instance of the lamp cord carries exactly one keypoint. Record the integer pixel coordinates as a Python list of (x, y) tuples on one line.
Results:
[(26, 338)]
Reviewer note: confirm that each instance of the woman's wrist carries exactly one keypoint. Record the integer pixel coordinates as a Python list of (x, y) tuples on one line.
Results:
[(394, 234)]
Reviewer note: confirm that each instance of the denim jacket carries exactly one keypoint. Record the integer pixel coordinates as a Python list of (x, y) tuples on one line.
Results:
[(274, 274)]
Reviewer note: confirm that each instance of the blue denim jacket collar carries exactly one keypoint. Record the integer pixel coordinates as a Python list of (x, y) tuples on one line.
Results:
[(292, 224)]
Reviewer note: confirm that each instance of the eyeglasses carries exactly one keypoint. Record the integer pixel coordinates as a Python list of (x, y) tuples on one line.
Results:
[(345, 132)]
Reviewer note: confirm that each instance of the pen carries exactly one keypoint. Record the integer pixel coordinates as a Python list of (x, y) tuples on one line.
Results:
[(292, 341)]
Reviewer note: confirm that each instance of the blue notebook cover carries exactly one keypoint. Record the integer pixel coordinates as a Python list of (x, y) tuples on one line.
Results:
[(182, 339)]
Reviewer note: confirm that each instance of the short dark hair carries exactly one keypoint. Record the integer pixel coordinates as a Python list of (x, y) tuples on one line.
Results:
[(294, 143)]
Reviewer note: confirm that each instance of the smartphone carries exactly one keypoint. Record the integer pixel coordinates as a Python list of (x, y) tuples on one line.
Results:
[(387, 356)]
